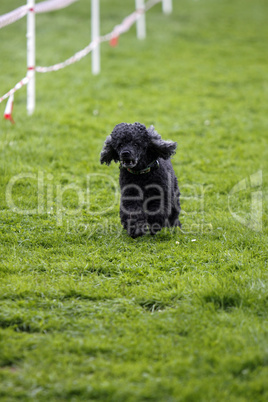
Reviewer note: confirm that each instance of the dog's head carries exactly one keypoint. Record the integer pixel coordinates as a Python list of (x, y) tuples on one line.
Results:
[(135, 146)]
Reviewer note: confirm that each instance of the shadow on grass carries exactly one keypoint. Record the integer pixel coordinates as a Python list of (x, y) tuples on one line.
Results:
[(224, 302)]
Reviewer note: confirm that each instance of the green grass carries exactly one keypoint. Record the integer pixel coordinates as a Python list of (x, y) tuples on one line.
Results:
[(87, 313)]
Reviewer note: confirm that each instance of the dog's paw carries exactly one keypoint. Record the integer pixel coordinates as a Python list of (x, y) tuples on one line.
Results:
[(136, 228)]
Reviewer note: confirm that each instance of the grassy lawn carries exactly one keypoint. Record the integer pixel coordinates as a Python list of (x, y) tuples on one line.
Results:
[(87, 313)]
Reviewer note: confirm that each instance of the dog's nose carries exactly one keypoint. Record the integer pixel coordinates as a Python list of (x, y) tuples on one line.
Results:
[(125, 154)]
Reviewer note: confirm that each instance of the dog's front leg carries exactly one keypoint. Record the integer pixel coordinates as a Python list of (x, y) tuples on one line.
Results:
[(132, 215), (133, 219), (134, 222), (136, 226)]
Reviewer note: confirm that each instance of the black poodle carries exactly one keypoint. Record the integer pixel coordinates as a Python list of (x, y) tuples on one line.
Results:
[(149, 187)]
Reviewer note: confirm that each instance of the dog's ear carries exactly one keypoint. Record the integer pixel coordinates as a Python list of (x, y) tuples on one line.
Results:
[(158, 147), (108, 153)]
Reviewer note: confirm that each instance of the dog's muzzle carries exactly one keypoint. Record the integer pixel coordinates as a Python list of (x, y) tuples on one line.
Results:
[(127, 160)]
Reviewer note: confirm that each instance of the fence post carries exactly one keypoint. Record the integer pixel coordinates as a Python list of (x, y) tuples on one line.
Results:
[(31, 56), (141, 28), (167, 6), (95, 33)]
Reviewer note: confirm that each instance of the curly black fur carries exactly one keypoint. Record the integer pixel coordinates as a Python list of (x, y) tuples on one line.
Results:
[(149, 187)]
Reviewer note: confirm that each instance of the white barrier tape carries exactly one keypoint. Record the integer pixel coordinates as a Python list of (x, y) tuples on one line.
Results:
[(13, 16), (76, 57), (19, 85), (118, 29), (150, 4), (52, 5), (45, 6), (129, 21), (42, 7), (9, 108)]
